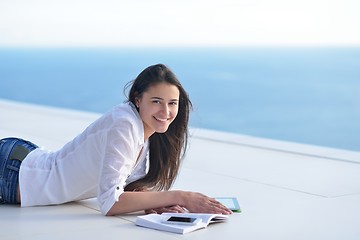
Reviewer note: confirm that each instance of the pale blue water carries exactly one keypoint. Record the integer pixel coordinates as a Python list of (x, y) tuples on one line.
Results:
[(308, 95)]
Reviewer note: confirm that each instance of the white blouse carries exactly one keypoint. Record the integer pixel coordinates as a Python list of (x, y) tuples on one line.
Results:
[(100, 162)]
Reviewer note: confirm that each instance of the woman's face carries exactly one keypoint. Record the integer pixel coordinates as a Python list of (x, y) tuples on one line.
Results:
[(158, 107)]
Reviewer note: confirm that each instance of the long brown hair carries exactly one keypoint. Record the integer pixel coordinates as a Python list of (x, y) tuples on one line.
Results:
[(165, 149)]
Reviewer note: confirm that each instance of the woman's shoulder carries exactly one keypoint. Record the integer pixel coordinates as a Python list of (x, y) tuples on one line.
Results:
[(125, 111), (124, 114), (120, 116), (124, 118)]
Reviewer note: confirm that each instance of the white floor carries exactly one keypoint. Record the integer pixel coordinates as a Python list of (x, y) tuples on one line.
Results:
[(286, 190)]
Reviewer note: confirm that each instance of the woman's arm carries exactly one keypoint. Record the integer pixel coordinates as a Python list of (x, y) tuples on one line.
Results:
[(194, 202)]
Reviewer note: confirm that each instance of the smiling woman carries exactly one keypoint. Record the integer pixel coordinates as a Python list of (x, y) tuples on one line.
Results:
[(126, 157), (158, 107)]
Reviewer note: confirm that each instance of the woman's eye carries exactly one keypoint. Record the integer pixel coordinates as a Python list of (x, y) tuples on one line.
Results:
[(156, 101), (173, 103)]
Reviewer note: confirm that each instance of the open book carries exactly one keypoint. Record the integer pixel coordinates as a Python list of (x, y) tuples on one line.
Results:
[(156, 221)]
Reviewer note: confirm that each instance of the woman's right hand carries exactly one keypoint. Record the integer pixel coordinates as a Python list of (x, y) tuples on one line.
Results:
[(200, 203), (171, 209)]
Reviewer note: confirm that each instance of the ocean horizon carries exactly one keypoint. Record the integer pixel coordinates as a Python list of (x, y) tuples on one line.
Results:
[(308, 95)]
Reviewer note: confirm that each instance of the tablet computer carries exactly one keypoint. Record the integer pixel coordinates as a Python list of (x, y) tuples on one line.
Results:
[(229, 202)]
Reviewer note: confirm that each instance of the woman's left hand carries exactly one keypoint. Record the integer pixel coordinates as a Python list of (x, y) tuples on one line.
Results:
[(170, 209)]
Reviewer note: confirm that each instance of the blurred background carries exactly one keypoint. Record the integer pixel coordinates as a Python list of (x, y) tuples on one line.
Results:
[(287, 70)]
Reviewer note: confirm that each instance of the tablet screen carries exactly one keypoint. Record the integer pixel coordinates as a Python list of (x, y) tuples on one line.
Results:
[(229, 202)]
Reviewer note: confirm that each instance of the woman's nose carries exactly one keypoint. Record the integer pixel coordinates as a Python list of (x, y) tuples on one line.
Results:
[(166, 109)]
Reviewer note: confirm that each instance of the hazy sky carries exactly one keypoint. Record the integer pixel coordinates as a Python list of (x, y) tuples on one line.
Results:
[(179, 22)]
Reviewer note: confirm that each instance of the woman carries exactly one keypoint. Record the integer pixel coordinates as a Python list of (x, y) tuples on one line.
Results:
[(125, 158)]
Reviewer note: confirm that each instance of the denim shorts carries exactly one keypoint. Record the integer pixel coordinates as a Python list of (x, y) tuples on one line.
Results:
[(12, 152)]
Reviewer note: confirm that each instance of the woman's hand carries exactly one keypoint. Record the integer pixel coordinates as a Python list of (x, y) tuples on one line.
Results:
[(199, 203), (171, 209)]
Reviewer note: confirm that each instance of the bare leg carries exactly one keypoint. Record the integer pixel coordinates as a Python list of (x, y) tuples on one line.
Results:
[(18, 198)]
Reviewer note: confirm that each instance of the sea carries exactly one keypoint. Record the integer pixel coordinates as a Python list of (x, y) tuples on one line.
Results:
[(308, 95)]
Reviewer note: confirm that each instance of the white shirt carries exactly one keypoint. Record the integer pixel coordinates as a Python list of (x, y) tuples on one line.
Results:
[(100, 162)]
